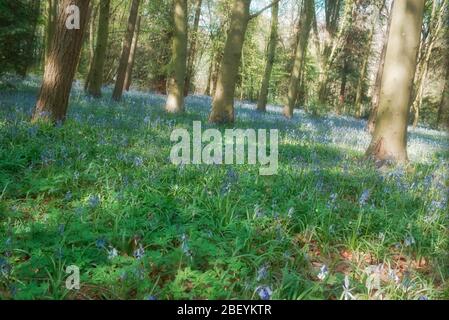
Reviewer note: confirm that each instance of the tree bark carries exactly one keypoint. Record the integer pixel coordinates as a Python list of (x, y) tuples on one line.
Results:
[(376, 95), (443, 109), (336, 43), (97, 68), (305, 21), (91, 32), (223, 102), (176, 82), (435, 25), (193, 47), (359, 91), (52, 12), (271, 53), (52, 102), (121, 71), (389, 142), (132, 56)]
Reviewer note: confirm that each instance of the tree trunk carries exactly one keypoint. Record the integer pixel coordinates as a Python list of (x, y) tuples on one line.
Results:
[(97, 68), (91, 45), (52, 102), (30, 41), (389, 140), (376, 94), (52, 12), (216, 70), (207, 91), (223, 103), (336, 44), (176, 82), (435, 25), (305, 19), (444, 103), (132, 56), (271, 52), (359, 90), (193, 47), (121, 71), (443, 109), (344, 81)]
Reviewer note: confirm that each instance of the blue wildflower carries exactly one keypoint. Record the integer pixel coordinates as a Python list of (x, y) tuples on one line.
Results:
[(262, 273), (364, 197), (100, 243), (112, 253), (139, 252), (324, 271), (94, 201), (264, 292)]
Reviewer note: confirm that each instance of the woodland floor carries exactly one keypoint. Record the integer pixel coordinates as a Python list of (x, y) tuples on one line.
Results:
[(100, 193)]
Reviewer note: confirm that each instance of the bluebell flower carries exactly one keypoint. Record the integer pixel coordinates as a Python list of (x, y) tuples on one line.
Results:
[(347, 294), (258, 211), (138, 161), (68, 196), (262, 273), (409, 241), (185, 246), (324, 271), (112, 253), (100, 243), (423, 298), (5, 267), (264, 292), (364, 197), (139, 252), (94, 201), (151, 298)]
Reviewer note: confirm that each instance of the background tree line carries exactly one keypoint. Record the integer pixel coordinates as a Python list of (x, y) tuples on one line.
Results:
[(342, 56)]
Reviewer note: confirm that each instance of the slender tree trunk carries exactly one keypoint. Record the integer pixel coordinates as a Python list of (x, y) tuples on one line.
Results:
[(30, 41), (91, 23), (52, 12), (443, 109), (223, 103), (380, 70), (433, 32), (207, 92), (121, 71), (97, 67), (271, 53), (338, 43), (132, 56), (52, 102), (344, 81), (216, 70), (193, 47), (444, 102), (176, 82), (389, 140), (305, 19), (359, 90)]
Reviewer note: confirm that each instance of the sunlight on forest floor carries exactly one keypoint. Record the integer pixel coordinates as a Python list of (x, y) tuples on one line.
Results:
[(100, 193)]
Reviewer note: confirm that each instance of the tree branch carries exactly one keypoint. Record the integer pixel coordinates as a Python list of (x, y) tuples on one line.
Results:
[(255, 15)]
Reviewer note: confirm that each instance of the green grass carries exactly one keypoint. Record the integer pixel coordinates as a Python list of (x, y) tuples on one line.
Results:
[(70, 194)]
